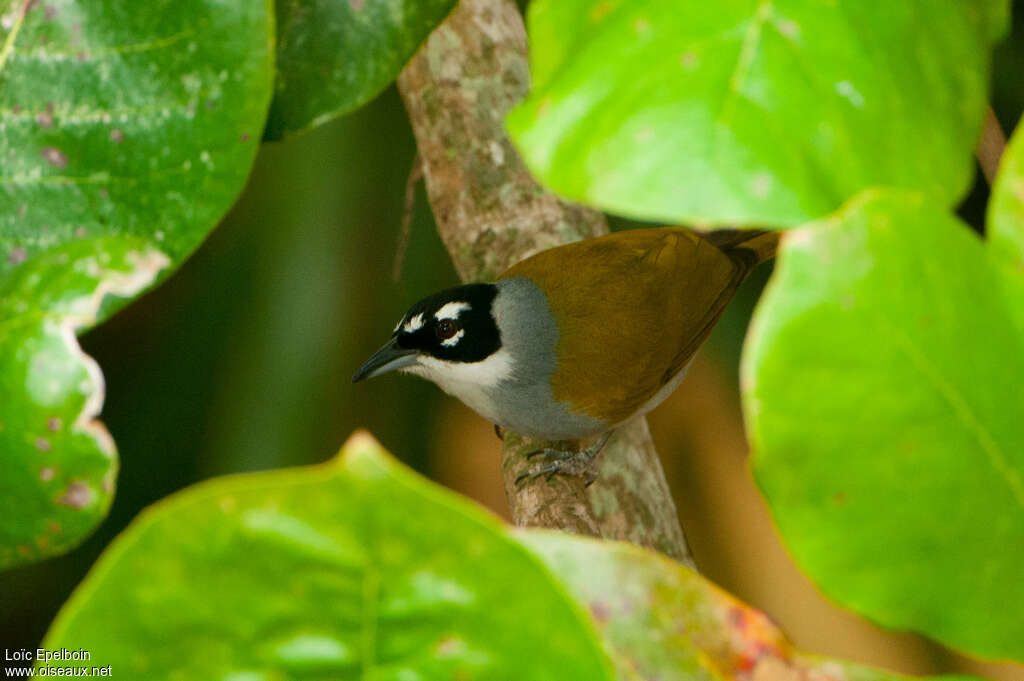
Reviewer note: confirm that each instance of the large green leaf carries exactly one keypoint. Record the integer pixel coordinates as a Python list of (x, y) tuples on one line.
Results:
[(661, 620), (882, 388), (59, 463), (753, 112), (356, 569), (121, 117), (335, 55), (1006, 206), (121, 123)]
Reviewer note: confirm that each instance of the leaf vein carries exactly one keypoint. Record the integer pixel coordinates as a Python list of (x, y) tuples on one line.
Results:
[(8, 47), (748, 49), (963, 410)]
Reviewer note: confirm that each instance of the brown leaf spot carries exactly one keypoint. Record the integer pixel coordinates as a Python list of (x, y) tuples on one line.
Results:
[(80, 232), (599, 611), (50, 12), (16, 109), (43, 39), (47, 473), (244, 137), (357, 5), (108, 485), (54, 423), (45, 118), (42, 444), (600, 10), (25, 550), (448, 646), (116, 136), (83, 56), (16, 256), (839, 498), (54, 157), (43, 542), (53, 527), (103, 193), (77, 495), (22, 209)]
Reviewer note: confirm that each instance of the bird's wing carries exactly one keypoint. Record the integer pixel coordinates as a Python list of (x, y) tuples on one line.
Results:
[(632, 316)]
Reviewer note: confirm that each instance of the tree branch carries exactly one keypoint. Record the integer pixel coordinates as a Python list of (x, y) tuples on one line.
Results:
[(990, 146), (490, 214)]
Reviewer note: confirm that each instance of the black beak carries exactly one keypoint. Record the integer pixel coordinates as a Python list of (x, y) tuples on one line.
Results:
[(388, 358)]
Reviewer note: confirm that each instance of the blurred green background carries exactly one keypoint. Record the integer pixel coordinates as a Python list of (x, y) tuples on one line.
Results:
[(242, 361)]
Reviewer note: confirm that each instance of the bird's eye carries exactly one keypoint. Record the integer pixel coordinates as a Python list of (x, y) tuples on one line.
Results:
[(446, 328)]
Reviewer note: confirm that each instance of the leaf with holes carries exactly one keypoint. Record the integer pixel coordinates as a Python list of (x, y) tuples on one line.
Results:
[(58, 463), (333, 56), (660, 620), (881, 381), (750, 111), (1006, 206), (363, 570)]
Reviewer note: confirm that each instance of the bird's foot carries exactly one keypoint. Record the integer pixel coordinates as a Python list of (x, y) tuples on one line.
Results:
[(557, 461), (581, 464)]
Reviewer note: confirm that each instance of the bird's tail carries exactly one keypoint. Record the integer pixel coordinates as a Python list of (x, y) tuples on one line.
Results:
[(748, 246)]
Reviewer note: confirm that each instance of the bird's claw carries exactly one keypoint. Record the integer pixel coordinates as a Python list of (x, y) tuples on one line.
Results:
[(560, 462)]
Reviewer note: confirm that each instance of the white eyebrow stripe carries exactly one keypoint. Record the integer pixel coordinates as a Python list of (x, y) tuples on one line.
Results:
[(452, 310), (414, 324), (454, 339)]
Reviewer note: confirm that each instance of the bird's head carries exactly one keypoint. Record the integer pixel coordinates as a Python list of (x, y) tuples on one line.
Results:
[(449, 333)]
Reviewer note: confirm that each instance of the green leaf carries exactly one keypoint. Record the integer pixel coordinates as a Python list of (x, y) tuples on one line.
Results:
[(753, 112), (354, 569), (333, 56), (1006, 205), (661, 620), (58, 463), (121, 123), (881, 383), (121, 118)]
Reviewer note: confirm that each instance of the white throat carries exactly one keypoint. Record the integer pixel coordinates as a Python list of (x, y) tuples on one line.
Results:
[(471, 382)]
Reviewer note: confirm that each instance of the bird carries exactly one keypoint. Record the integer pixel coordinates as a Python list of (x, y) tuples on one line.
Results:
[(577, 340)]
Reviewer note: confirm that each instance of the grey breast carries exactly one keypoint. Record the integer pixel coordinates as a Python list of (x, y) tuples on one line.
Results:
[(529, 333)]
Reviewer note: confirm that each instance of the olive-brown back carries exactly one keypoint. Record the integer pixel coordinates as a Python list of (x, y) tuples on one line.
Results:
[(632, 310)]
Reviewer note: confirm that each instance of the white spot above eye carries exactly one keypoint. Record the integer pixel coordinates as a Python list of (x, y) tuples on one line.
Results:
[(414, 324), (454, 339), (452, 310)]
